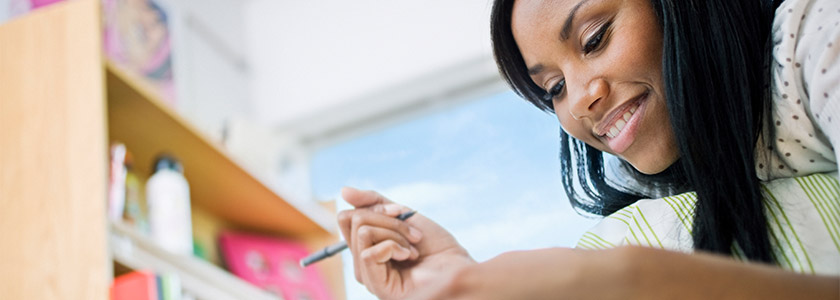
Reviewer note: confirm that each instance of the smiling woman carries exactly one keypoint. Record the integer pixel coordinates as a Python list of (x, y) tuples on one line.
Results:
[(602, 68), (721, 103), (719, 111)]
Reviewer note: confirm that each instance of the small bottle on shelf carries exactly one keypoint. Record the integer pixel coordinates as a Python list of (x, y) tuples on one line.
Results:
[(168, 198), (135, 205)]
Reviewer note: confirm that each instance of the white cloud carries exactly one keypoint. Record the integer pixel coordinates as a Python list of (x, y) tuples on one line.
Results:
[(422, 195)]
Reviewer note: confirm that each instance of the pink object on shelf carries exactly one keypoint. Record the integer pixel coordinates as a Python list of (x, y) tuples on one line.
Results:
[(41, 3), (273, 264)]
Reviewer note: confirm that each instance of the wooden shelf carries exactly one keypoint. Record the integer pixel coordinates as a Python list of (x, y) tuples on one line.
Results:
[(139, 119), (53, 155), (198, 278), (60, 105)]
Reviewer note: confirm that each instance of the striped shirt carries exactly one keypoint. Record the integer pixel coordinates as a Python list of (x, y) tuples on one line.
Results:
[(803, 215)]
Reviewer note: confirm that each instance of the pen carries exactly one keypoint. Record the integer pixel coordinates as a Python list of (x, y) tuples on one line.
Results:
[(340, 246)]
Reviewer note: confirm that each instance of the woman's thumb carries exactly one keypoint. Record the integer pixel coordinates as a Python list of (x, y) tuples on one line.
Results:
[(361, 199)]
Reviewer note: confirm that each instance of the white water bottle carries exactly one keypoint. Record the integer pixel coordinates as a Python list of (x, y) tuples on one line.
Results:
[(168, 198)]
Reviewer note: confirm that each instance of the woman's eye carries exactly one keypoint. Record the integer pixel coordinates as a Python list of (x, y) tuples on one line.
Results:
[(557, 89), (595, 42)]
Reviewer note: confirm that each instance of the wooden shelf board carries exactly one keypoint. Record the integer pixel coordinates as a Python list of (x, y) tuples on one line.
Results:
[(139, 119), (131, 251)]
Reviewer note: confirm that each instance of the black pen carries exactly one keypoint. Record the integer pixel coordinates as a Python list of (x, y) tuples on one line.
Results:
[(340, 246)]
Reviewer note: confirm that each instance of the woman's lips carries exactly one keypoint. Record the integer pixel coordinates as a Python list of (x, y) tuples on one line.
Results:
[(621, 134)]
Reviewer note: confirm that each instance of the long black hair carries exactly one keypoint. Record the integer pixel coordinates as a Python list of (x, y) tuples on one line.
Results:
[(715, 62)]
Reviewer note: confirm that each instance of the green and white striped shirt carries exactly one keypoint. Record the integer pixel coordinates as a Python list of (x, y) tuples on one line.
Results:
[(803, 215)]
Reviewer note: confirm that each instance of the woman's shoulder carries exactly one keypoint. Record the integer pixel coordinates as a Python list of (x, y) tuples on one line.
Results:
[(660, 223), (805, 89)]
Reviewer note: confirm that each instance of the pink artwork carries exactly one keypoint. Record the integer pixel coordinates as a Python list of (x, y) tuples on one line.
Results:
[(273, 264), (137, 37), (41, 3)]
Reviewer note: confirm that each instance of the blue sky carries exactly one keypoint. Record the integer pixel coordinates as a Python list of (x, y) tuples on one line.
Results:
[(487, 171)]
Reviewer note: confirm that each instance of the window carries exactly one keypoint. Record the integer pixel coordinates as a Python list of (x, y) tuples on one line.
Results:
[(486, 170)]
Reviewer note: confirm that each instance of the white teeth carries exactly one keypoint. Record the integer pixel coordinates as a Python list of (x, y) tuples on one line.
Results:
[(620, 124)]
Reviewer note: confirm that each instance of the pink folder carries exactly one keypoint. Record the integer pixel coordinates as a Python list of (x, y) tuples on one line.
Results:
[(273, 264)]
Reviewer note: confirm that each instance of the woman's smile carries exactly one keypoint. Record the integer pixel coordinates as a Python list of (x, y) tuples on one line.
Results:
[(620, 126)]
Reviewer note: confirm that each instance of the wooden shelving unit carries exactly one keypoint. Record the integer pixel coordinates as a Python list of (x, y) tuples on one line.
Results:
[(61, 105), (220, 188), (139, 119), (133, 251)]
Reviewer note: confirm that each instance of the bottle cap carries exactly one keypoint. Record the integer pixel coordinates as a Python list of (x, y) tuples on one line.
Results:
[(168, 162)]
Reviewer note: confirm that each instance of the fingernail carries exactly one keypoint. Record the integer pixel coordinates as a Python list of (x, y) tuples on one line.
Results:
[(416, 234), (392, 209), (345, 191)]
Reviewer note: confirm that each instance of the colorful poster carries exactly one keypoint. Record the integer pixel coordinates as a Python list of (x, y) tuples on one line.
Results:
[(137, 37)]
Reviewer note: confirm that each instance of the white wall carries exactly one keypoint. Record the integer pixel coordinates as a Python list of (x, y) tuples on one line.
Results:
[(315, 70), (312, 55), (211, 65), (327, 70)]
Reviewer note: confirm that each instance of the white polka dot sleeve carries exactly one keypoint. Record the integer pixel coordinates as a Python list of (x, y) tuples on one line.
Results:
[(805, 87), (821, 73)]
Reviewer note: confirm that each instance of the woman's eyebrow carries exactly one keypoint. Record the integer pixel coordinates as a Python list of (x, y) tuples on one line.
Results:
[(564, 34), (567, 26), (535, 70)]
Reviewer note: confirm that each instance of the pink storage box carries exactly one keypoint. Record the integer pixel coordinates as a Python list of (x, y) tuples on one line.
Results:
[(272, 264)]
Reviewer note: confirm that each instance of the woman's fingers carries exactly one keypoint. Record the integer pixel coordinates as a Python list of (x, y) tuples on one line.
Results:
[(344, 223), (363, 228), (359, 198), (389, 210), (376, 258), (369, 236), (370, 218), (383, 252)]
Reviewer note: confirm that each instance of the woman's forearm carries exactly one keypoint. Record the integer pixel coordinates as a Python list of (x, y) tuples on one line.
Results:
[(667, 275), (631, 273), (556, 273)]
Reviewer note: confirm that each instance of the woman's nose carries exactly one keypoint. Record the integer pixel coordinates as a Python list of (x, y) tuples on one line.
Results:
[(583, 103)]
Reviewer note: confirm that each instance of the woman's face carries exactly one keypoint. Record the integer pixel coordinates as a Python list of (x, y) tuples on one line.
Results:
[(602, 62)]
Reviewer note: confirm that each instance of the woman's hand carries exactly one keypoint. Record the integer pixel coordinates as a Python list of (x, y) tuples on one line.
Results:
[(555, 273), (394, 259)]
